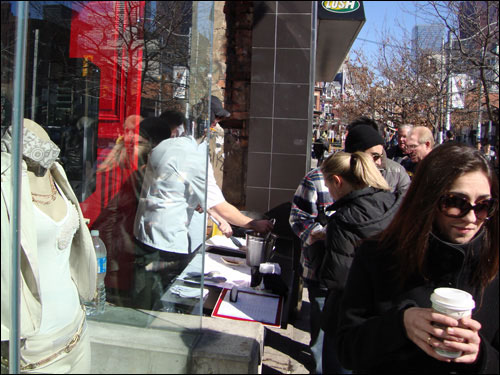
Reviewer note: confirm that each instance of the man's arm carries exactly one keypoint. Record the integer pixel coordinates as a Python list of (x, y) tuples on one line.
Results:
[(309, 195), (218, 204), (232, 215)]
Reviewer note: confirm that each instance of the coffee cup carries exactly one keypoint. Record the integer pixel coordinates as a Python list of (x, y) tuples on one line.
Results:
[(454, 303)]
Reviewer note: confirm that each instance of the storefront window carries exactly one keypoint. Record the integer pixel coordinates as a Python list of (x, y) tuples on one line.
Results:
[(116, 99)]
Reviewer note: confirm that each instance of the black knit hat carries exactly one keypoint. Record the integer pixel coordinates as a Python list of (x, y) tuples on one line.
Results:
[(362, 138)]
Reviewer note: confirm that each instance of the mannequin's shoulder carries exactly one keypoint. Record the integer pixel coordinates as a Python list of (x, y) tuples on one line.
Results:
[(6, 164)]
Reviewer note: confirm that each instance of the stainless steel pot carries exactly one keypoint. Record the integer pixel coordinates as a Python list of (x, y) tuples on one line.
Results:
[(259, 248)]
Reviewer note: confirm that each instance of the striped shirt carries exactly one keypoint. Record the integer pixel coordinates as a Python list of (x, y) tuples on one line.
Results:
[(311, 197)]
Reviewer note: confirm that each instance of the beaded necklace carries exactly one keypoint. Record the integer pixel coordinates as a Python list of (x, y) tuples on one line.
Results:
[(46, 198)]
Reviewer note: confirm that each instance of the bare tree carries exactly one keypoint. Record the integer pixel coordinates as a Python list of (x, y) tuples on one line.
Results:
[(473, 40), (410, 82), (402, 86)]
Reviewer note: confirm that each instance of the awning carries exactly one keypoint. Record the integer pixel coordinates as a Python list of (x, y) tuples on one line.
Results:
[(339, 23)]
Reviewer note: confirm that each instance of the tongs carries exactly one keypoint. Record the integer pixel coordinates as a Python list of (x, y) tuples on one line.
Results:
[(232, 238)]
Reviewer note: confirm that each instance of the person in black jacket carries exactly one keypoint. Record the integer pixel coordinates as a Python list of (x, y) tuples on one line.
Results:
[(445, 234), (364, 136), (363, 207), (320, 145)]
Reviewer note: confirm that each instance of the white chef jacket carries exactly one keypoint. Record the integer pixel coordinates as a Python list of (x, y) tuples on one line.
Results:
[(174, 185)]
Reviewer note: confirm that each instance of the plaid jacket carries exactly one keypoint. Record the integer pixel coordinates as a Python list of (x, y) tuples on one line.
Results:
[(310, 197)]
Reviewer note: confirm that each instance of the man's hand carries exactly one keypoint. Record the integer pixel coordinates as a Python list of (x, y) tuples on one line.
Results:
[(317, 234), (261, 226), (225, 228)]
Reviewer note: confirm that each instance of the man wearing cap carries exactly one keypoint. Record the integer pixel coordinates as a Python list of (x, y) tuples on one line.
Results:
[(216, 139), (363, 136), (223, 208)]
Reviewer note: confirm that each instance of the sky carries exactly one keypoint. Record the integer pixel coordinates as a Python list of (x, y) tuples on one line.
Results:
[(382, 16)]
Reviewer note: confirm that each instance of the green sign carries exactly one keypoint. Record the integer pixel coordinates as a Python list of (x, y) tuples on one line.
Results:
[(340, 6)]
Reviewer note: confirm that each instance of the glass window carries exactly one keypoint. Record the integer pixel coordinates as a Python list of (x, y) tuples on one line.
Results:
[(114, 121)]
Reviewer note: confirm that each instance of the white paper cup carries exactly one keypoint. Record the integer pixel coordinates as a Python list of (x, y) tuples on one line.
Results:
[(454, 303)]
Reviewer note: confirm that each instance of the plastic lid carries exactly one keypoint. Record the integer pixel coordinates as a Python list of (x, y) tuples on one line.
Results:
[(94, 232), (454, 298)]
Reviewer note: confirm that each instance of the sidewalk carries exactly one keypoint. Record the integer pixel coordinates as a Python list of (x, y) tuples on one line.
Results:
[(286, 351)]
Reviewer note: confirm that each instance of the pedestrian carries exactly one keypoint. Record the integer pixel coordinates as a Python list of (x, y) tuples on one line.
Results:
[(216, 201), (419, 144), (450, 136), (398, 152), (320, 145), (308, 220), (363, 136), (445, 234), (116, 221), (363, 207), (489, 153)]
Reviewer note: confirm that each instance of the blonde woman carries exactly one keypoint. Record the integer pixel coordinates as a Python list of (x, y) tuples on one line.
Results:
[(364, 206)]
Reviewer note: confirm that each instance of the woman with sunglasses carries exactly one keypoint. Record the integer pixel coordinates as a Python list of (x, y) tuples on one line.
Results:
[(445, 234)]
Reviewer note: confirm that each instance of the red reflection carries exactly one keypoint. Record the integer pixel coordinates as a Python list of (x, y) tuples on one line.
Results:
[(110, 34)]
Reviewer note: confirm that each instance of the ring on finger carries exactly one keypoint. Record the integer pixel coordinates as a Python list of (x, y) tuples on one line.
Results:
[(429, 340)]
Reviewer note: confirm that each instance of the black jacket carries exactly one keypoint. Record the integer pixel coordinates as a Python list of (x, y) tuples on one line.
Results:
[(371, 337), (395, 153), (358, 215)]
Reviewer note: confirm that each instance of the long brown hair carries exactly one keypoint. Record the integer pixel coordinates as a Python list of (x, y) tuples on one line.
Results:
[(409, 231)]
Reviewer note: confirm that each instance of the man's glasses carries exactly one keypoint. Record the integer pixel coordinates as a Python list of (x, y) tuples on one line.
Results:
[(411, 147), (456, 206)]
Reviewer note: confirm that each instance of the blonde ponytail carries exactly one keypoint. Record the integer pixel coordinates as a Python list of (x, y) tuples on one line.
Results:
[(358, 169)]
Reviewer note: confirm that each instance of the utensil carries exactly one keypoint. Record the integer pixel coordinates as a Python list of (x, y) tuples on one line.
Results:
[(273, 221), (213, 279), (198, 274), (232, 238), (259, 248), (236, 242)]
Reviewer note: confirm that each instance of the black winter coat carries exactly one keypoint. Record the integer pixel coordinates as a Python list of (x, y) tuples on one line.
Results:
[(371, 337), (358, 215)]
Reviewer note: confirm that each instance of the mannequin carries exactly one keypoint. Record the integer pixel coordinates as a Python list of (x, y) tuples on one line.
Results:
[(44, 193), (58, 267)]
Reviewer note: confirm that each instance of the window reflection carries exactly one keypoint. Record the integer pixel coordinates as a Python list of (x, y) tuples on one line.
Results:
[(99, 75)]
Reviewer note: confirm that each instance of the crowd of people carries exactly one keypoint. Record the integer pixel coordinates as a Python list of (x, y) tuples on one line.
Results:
[(381, 228), (383, 225)]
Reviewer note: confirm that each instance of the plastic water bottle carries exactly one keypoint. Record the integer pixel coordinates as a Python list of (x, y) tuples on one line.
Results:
[(96, 306)]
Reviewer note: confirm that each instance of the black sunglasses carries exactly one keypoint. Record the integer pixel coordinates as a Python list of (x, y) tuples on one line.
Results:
[(456, 206)]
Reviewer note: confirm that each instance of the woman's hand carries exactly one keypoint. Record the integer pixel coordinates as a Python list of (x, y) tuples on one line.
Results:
[(429, 330), (466, 339)]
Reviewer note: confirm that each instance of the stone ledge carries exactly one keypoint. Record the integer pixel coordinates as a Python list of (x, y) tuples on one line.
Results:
[(170, 344)]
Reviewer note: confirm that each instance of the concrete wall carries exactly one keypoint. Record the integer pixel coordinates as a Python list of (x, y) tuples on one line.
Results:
[(165, 345)]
